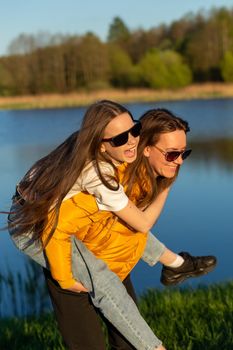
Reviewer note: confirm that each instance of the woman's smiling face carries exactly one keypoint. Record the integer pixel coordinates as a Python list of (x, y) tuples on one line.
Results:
[(171, 141)]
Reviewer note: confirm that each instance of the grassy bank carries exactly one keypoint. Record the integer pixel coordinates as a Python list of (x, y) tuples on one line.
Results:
[(199, 319), (84, 98)]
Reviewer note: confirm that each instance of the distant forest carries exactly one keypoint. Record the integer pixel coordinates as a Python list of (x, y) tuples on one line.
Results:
[(196, 48)]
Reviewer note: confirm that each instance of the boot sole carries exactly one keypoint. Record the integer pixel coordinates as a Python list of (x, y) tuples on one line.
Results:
[(182, 277)]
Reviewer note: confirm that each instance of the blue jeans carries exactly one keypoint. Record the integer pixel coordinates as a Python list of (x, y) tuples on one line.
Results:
[(105, 288)]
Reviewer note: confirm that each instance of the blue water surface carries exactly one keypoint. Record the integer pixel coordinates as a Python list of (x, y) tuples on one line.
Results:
[(197, 215)]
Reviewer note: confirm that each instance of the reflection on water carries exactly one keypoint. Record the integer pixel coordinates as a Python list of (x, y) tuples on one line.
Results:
[(197, 215), (218, 151)]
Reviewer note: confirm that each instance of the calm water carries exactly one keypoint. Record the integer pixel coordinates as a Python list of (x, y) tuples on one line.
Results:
[(197, 215)]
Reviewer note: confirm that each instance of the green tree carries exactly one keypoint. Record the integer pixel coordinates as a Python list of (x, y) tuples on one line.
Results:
[(179, 73), (118, 31), (153, 70), (5, 79), (208, 44), (180, 31), (140, 41), (49, 71), (227, 67), (122, 71), (93, 62), (18, 73), (164, 69), (71, 63)]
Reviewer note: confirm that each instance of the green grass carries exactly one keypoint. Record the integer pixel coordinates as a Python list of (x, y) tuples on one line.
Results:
[(184, 319), (187, 319), (30, 334)]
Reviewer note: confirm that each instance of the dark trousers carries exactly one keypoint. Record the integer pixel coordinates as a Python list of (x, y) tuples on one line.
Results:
[(79, 321)]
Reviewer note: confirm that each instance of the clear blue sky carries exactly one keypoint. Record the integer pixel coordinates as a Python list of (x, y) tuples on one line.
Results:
[(78, 17)]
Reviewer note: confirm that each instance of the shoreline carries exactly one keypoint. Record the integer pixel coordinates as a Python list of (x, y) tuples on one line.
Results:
[(84, 98)]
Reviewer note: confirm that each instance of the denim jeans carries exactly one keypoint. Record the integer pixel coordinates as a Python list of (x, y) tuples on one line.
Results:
[(105, 288)]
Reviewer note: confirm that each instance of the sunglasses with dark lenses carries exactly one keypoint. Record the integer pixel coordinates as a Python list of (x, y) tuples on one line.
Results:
[(170, 156), (122, 139)]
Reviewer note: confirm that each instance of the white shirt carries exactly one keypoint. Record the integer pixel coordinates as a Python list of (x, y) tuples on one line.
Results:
[(90, 182)]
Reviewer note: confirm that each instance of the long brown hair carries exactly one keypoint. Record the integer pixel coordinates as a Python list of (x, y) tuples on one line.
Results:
[(49, 180), (139, 177)]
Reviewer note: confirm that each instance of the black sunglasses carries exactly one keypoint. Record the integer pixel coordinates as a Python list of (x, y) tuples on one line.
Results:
[(122, 139), (170, 156)]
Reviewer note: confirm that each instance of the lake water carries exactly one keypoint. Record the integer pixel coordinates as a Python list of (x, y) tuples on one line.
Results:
[(197, 215)]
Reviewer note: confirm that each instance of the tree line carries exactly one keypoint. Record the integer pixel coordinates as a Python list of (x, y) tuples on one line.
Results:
[(196, 48)]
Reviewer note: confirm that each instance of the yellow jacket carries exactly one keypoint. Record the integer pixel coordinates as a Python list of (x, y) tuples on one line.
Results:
[(105, 236)]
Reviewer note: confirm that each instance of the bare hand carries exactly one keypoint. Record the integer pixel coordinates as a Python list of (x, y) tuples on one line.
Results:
[(78, 287)]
